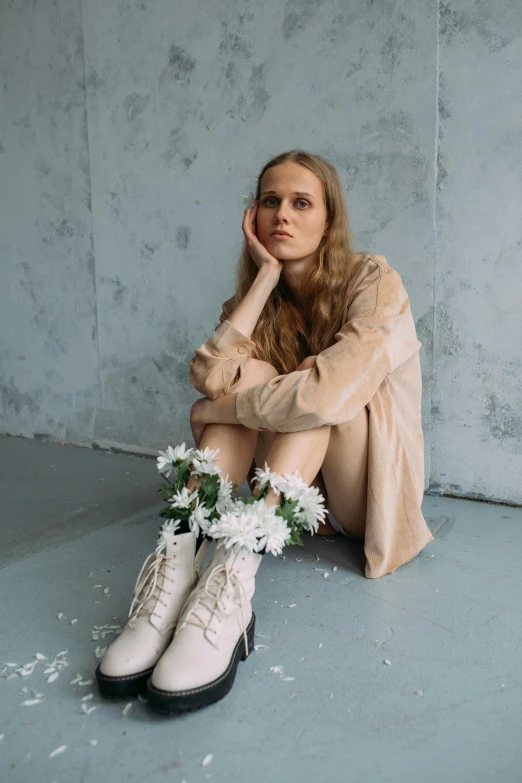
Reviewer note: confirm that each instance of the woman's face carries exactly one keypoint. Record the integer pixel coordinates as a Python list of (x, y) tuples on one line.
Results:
[(291, 199)]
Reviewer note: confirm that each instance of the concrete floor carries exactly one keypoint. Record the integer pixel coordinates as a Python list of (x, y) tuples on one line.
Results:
[(447, 707)]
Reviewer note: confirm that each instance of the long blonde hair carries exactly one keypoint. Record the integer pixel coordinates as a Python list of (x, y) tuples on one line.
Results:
[(289, 330)]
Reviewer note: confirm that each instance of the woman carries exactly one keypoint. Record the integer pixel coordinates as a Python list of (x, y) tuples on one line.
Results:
[(315, 368)]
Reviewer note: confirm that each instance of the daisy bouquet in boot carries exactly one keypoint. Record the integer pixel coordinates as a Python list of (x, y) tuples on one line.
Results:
[(194, 510), (251, 523)]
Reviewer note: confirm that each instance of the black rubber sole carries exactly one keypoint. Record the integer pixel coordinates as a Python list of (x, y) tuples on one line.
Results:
[(128, 687), (177, 702)]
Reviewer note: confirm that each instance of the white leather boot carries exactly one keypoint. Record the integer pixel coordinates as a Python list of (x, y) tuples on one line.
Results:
[(215, 631), (163, 585)]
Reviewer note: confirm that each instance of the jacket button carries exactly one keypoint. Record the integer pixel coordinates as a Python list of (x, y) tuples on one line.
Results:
[(241, 349)]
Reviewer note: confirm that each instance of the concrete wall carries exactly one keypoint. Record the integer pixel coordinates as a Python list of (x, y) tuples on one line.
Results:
[(129, 136)]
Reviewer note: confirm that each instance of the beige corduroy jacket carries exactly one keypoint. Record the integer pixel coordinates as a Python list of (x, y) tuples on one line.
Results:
[(375, 362)]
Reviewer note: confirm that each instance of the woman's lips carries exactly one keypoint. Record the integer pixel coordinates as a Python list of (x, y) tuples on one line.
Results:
[(281, 236)]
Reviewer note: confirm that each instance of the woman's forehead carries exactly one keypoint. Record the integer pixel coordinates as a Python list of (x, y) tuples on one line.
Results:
[(291, 178)]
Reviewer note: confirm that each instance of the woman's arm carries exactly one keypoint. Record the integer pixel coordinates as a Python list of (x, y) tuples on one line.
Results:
[(223, 409), (218, 364)]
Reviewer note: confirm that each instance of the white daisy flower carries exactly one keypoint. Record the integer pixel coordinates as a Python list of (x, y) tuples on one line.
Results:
[(183, 498), (167, 529), (181, 453), (206, 454), (165, 461), (224, 500), (275, 532), (198, 520), (310, 509), (202, 466), (168, 458), (241, 529), (292, 485), (264, 475)]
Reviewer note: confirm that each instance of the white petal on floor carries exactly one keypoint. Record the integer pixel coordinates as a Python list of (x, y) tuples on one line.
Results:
[(31, 702), (387, 662), (41, 657), (206, 761), (52, 677), (87, 697), (56, 751), (125, 711), (85, 682)]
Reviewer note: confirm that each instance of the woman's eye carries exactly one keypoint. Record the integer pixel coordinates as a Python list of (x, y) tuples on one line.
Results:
[(271, 198)]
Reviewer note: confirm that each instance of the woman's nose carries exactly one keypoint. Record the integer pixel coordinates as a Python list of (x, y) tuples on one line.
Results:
[(281, 212)]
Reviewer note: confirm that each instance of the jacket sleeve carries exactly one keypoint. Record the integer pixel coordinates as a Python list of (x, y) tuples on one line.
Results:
[(379, 334), (218, 364)]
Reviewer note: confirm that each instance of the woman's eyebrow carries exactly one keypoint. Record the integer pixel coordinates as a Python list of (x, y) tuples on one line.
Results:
[(296, 193)]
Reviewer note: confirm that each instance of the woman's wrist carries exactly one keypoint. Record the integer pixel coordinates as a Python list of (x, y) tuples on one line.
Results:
[(269, 274)]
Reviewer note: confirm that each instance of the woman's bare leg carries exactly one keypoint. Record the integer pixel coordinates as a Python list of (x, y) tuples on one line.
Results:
[(236, 443), (303, 451), (264, 442), (345, 472), (343, 466)]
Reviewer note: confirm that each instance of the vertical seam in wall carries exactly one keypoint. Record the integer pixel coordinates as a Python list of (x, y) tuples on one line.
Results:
[(90, 210), (435, 232)]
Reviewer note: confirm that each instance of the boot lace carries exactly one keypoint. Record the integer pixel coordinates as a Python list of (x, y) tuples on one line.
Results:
[(146, 584), (212, 598), (147, 580)]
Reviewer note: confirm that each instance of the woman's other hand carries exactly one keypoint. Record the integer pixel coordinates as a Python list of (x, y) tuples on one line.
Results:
[(258, 251), (307, 363)]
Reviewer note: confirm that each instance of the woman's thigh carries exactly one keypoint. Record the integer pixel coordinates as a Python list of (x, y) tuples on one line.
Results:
[(345, 473)]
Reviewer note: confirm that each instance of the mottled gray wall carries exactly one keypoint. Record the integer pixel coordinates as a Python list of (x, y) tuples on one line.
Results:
[(129, 135)]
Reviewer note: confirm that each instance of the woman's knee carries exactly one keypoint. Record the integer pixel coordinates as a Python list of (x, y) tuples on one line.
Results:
[(256, 371)]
